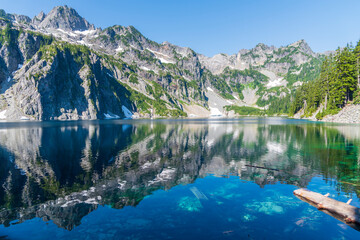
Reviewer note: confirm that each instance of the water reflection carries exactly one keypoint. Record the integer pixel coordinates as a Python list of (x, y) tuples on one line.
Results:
[(63, 171)]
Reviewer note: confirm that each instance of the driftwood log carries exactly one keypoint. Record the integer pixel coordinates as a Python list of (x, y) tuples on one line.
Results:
[(339, 210)]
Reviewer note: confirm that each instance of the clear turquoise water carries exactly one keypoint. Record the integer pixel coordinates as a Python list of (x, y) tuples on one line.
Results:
[(175, 179)]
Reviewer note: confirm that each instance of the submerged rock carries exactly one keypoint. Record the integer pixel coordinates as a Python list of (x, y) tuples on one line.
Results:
[(190, 204), (269, 208)]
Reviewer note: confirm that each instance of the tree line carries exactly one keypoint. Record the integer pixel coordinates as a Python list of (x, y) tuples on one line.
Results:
[(337, 85)]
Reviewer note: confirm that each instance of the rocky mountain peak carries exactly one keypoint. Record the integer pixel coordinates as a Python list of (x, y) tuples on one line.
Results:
[(63, 17), (303, 47), (261, 46), (39, 18)]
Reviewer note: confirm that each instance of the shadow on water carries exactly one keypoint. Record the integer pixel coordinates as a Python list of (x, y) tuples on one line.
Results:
[(63, 171)]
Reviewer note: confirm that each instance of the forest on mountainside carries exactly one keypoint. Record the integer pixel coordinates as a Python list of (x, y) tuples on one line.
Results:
[(336, 86)]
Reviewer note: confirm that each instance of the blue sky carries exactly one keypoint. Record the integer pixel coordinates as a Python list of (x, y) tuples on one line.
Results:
[(222, 26)]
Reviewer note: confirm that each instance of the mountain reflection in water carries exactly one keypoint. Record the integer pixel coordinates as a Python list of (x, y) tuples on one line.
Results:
[(63, 171)]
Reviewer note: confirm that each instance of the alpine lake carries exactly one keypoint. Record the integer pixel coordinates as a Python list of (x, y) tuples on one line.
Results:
[(175, 179)]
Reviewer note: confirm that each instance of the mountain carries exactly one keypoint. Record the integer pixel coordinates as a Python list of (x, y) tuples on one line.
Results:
[(59, 66), (64, 18)]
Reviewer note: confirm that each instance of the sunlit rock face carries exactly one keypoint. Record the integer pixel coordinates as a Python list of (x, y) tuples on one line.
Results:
[(63, 171), (64, 18)]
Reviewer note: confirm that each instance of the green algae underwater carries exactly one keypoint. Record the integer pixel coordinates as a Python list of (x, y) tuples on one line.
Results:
[(175, 179)]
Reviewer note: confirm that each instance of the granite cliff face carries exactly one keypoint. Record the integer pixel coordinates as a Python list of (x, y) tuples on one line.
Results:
[(59, 66)]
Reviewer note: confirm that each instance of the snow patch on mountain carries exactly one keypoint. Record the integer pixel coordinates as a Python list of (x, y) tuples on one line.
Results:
[(111, 116), (144, 68), (67, 33), (119, 49), (162, 57), (86, 32), (215, 112), (3, 114), (127, 112), (164, 60), (276, 83)]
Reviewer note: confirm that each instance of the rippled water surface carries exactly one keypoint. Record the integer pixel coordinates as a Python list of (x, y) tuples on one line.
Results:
[(179, 179)]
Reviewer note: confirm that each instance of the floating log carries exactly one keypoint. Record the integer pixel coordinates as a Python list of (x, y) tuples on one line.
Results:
[(339, 210)]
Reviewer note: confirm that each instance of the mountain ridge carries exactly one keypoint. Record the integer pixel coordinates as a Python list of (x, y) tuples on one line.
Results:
[(165, 78)]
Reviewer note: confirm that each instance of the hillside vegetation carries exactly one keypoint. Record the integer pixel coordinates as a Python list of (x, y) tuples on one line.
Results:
[(336, 86)]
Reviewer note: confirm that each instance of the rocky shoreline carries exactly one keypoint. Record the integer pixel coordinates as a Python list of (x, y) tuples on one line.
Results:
[(349, 114)]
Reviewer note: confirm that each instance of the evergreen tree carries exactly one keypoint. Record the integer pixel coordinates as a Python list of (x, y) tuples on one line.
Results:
[(346, 81)]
